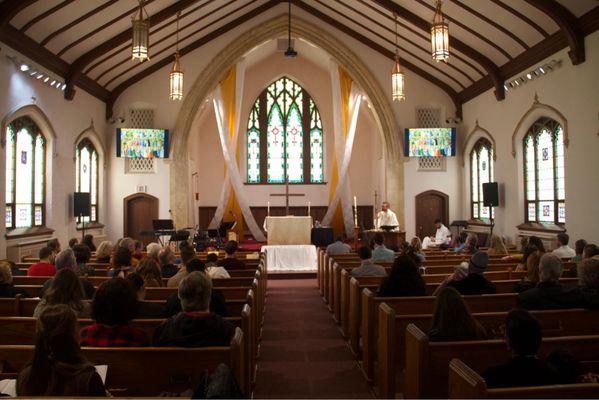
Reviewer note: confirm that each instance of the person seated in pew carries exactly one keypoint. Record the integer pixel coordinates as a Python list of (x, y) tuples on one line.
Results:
[(212, 268), (104, 252), (588, 276), (121, 263), (54, 244), (58, 367), (403, 280), (367, 266), (73, 242), (590, 251), (524, 337), (130, 245), (187, 254), (113, 307), (218, 303), (579, 246), (497, 247), (66, 260), (7, 289), (195, 325), (145, 309), (475, 282), (381, 253), (563, 250), (416, 248), (153, 250), (338, 247), (460, 242), (82, 256), (44, 266), (532, 271), (166, 258), (471, 245), (460, 272), (550, 294), (231, 262), (442, 236), (138, 250), (88, 240), (452, 320), (66, 288), (149, 269)]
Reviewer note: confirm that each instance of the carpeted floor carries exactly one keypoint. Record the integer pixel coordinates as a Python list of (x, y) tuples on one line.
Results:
[(303, 354)]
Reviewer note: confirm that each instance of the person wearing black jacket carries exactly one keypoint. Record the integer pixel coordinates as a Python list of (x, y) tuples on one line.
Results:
[(475, 282), (7, 289)]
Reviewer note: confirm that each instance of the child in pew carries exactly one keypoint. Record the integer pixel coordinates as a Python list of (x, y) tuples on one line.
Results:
[(113, 307), (82, 256), (59, 367), (145, 309), (7, 289), (452, 320), (403, 280)]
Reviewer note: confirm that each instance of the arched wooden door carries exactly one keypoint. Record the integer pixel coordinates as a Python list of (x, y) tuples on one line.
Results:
[(139, 209), (431, 205)]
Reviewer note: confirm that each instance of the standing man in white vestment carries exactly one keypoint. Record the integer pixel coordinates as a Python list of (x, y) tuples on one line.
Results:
[(386, 217), (442, 236)]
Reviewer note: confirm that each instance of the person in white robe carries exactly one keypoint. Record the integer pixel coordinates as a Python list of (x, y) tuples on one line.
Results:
[(442, 236), (386, 217)]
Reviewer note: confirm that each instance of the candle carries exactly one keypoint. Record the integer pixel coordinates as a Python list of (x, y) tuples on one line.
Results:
[(268, 208), (355, 211), (308, 208)]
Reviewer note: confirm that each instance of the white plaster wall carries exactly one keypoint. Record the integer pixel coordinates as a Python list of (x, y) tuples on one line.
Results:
[(574, 92)]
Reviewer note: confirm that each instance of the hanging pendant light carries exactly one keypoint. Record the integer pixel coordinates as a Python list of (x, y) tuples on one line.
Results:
[(290, 52), (176, 75), (398, 79), (439, 36), (141, 35)]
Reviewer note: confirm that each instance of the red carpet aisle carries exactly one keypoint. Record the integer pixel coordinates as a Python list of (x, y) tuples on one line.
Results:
[(303, 354)]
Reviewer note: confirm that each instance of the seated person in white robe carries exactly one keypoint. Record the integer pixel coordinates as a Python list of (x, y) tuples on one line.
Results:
[(442, 236)]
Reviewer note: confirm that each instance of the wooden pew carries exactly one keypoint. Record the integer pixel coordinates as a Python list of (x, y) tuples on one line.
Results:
[(465, 383), (172, 369), (427, 364), (392, 327)]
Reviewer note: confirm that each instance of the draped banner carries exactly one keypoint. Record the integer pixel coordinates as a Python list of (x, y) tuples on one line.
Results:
[(227, 108), (346, 107)]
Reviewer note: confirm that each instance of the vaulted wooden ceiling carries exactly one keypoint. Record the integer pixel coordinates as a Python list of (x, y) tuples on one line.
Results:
[(88, 42)]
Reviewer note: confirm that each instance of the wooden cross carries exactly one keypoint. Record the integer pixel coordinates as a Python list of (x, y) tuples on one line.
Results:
[(287, 195)]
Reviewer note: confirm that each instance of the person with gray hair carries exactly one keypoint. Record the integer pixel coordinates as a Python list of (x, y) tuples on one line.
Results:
[(195, 325), (66, 260), (588, 275), (153, 249), (550, 294)]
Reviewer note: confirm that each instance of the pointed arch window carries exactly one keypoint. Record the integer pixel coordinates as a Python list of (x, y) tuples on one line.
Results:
[(284, 136), (87, 176), (545, 194), (481, 171), (25, 175)]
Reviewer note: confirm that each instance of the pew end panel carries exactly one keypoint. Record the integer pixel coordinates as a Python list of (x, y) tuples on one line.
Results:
[(386, 352)]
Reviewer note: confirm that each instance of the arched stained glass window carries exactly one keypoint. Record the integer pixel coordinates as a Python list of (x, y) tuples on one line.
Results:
[(545, 192), (87, 176), (481, 171), (284, 136), (25, 174)]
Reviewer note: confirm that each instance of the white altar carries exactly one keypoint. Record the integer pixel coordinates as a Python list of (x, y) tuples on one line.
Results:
[(297, 258), (289, 246), (288, 230)]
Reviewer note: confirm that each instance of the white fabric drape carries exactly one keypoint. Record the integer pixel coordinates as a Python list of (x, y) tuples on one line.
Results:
[(343, 151)]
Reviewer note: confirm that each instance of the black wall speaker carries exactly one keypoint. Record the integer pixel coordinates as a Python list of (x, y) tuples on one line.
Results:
[(490, 194), (82, 204)]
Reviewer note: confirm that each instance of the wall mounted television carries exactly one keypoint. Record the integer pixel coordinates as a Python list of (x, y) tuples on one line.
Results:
[(142, 143), (430, 142)]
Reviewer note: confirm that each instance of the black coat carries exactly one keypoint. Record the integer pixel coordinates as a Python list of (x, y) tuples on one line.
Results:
[(520, 371), (218, 304), (189, 330), (473, 284), (7, 290), (553, 296)]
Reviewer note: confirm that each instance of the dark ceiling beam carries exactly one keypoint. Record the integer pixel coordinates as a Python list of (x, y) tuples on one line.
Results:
[(45, 14), (490, 67), (384, 51), (77, 66), (523, 17), (117, 91), (568, 24), (10, 8)]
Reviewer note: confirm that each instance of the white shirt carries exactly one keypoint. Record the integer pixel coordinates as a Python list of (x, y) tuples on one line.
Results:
[(386, 218), (564, 252), (442, 235)]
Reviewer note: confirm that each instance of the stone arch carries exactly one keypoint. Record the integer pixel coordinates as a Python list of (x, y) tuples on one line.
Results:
[(38, 116), (237, 48), (473, 137)]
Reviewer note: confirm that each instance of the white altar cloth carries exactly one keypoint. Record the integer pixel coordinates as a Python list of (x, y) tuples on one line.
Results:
[(291, 258)]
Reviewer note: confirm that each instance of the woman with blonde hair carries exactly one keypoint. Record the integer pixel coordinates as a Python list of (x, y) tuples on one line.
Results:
[(497, 246), (149, 269), (104, 252), (7, 289)]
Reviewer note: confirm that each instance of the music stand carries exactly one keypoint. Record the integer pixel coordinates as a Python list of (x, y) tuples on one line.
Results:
[(163, 224)]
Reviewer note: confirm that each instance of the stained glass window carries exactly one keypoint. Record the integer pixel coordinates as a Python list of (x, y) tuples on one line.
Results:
[(481, 171), (87, 176), (25, 164), (284, 136), (544, 173)]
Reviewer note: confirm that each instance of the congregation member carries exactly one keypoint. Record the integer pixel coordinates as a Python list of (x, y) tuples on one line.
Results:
[(129, 244), (471, 245), (550, 294), (563, 250), (65, 289), (475, 282), (149, 269), (66, 260), (460, 272), (416, 248), (58, 367), (54, 244), (442, 236), (231, 262), (166, 258), (579, 246), (460, 242), (145, 309), (195, 325), (386, 217), (187, 254), (121, 263), (82, 256), (367, 266), (531, 279), (113, 308), (338, 247), (212, 268), (73, 242), (403, 280), (44, 267), (104, 252), (497, 247), (7, 289), (381, 253), (524, 337), (88, 240), (138, 250), (452, 320), (590, 251), (153, 250), (588, 276)]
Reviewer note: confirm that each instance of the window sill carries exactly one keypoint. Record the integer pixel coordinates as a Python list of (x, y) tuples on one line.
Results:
[(546, 228), (479, 222), (282, 184), (91, 225), (21, 233)]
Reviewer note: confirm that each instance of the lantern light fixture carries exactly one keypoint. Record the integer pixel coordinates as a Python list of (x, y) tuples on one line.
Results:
[(176, 75), (141, 35), (398, 78), (439, 36)]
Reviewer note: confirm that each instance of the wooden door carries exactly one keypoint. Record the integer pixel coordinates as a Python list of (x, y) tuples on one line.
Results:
[(139, 209), (431, 205)]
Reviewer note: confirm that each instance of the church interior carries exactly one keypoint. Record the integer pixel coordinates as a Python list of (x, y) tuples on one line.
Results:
[(321, 198)]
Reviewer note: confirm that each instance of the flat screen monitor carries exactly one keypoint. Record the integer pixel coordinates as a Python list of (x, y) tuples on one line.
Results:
[(141, 143), (430, 142)]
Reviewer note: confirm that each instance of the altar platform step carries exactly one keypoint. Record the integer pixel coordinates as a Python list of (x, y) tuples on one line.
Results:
[(291, 275)]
